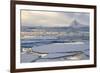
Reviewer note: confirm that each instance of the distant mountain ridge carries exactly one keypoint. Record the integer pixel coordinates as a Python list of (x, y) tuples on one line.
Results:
[(74, 26)]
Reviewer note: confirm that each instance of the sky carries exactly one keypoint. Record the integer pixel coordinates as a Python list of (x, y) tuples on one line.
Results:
[(52, 19)]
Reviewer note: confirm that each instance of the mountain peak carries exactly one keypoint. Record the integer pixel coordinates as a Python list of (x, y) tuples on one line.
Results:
[(76, 24)]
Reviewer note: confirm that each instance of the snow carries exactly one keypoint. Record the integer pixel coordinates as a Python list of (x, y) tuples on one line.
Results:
[(61, 47), (49, 60), (72, 45), (27, 57), (56, 55)]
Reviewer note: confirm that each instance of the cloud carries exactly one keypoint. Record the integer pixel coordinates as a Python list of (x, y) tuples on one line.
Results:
[(46, 18)]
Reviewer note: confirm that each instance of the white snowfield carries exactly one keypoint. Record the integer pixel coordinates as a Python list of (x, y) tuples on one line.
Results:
[(26, 57), (57, 52)]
